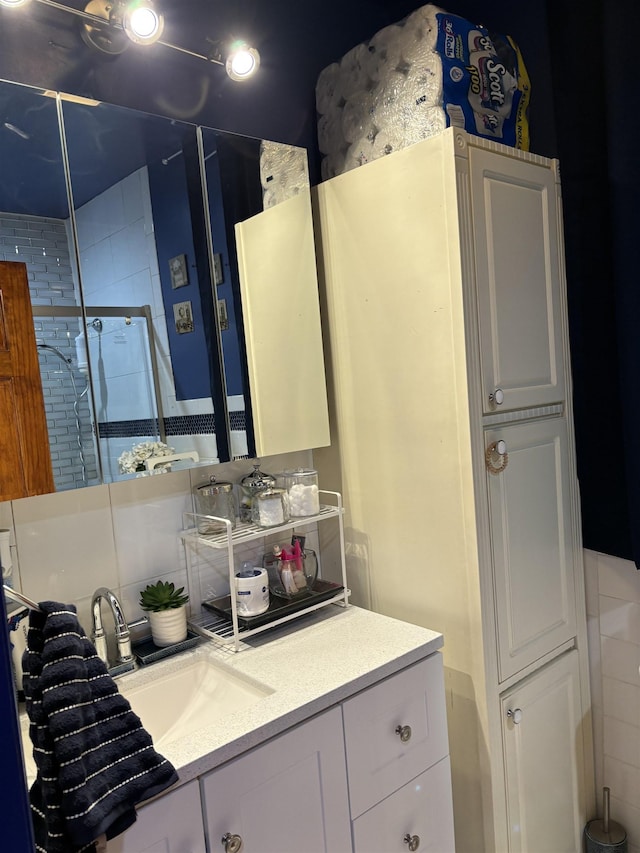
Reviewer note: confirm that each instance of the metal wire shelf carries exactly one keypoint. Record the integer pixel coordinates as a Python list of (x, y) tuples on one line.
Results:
[(229, 631)]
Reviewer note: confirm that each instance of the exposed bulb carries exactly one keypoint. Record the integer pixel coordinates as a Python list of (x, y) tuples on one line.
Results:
[(243, 61), (142, 23)]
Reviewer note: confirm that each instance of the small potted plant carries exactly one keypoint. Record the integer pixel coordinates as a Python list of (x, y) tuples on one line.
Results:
[(167, 612)]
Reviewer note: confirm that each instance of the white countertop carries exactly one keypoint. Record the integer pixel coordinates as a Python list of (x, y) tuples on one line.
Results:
[(308, 665)]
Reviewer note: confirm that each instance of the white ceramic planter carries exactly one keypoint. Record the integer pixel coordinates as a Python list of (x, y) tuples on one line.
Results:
[(168, 626)]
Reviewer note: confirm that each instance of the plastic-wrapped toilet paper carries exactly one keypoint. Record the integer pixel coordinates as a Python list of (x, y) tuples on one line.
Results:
[(358, 153), (423, 20), (415, 78), (354, 71), (328, 92), (284, 172), (357, 117), (332, 165), (386, 141), (384, 51), (330, 137)]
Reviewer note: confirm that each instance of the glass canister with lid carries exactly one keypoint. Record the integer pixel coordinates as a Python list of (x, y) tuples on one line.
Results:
[(215, 498), (302, 487), (270, 507), (256, 481)]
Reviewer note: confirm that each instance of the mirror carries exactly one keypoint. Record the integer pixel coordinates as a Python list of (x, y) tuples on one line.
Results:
[(139, 215), (34, 229), (135, 285)]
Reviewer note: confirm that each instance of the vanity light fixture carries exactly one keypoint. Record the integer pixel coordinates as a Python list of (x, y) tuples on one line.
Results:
[(141, 22), (242, 62), (110, 25)]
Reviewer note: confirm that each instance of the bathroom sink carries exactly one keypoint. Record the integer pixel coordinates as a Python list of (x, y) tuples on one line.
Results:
[(175, 698), (199, 693)]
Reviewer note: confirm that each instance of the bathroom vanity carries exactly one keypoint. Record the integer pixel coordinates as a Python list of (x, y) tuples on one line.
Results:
[(339, 744)]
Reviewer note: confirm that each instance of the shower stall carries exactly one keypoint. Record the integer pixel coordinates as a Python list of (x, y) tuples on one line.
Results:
[(101, 388)]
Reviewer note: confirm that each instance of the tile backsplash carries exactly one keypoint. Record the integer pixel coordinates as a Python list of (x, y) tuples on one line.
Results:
[(122, 536), (613, 612)]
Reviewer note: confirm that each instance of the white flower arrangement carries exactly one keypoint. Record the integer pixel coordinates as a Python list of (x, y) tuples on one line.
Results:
[(133, 460)]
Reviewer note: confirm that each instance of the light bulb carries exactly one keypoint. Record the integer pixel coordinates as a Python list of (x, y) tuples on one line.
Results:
[(243, 61), (142, 23)]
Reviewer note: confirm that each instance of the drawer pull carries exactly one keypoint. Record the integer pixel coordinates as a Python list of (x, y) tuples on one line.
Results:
[(232, 843), (405, 735), (516, 715), (412, 841)]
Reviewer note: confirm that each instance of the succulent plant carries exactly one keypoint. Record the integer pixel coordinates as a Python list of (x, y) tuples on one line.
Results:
[(162, 595)]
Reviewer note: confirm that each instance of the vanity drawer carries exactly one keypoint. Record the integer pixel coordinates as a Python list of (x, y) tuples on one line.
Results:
[(419, 816), (382, 754), (421, 808)]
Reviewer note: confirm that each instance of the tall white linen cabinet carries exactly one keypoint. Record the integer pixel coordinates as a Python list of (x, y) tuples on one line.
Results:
[(442, 276)]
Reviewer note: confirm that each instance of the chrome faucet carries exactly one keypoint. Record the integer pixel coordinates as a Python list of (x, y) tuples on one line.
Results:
[(125, 660)]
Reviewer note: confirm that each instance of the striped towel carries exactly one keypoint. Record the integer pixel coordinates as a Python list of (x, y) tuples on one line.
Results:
[(94, 759)]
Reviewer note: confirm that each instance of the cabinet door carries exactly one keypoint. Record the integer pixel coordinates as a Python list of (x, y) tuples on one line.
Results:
[(516, 230), (283, 335), (287, 796), (419, 814), (543, 747), (532, 541), (170, 824)]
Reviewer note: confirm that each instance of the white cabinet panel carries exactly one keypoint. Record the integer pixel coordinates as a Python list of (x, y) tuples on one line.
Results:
[(419, 813), (170, 824), (515, 222), (543, 750), (532, 542), (382, 753), (287, 796), (281, 314)]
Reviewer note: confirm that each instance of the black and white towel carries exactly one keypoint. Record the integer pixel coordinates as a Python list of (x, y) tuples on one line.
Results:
[(94, 759)]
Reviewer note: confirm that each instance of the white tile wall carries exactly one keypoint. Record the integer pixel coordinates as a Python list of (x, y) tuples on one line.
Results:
[(121, 536), (120, 268), (613, 611)]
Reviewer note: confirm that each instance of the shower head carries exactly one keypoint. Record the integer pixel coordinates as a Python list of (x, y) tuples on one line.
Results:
[(97, 324)]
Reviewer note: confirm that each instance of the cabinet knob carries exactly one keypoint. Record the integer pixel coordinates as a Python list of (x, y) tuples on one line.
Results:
[(412, 841), (232, 843), (405, 735), (497, 397), (496, 457), (516, 715)]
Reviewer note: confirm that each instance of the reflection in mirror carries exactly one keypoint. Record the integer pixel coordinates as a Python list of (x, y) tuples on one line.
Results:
[(135, 341), (35, 229), (243, 176), (153, 361)]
